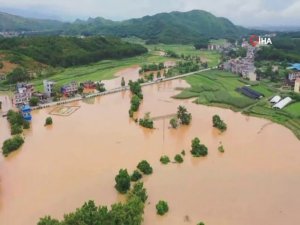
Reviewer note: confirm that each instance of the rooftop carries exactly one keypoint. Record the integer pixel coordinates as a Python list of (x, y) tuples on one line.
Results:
[(295, 66)]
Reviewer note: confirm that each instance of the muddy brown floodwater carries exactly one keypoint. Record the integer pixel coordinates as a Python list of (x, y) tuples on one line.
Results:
[(256, 180)]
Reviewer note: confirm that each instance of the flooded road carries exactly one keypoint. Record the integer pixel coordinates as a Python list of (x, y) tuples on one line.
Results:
[(256, 180)]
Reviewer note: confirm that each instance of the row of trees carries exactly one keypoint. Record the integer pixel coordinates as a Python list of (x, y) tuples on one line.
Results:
[(131, 212), (17, 123), (137, 96), (151, 67)]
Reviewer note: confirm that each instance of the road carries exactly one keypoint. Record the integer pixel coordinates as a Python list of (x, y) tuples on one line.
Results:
[(120, 89)]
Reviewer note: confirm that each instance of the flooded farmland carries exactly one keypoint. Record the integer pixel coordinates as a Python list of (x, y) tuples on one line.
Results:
[(256, 180)]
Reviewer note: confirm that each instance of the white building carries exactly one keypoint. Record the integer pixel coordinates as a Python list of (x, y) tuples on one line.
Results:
[(297, 85), (283, 103), (275, 99), (48, 87)]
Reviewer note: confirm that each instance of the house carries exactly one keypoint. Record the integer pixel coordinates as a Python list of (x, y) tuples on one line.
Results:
[(213, 47), (23, 94), (89, 85), (283, 103), (48, 87), (297, 85), (275, 99), (41, 96), (294, 73), (26, 112), (70, 89)]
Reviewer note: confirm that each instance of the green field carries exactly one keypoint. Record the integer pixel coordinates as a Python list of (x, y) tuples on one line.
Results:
[(218, 88), (212, 57), (294, 109), (102, 70)]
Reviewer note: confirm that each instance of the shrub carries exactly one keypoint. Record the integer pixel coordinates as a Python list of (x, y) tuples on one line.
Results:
[(201, 223), (178, 158), (48, 121), (26, 124), (183, 152), (198, 149), (146, 122), (164, 159), (145, 167), (174, 123), (136, 175), (12, 144), (221, 149), (122, 181), (162, 207)]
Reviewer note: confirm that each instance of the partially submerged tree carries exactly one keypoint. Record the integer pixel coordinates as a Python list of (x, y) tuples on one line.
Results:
[(198, 149), (122, 181)]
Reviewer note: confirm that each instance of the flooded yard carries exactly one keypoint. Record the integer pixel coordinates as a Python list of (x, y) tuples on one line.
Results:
[(256, 180)]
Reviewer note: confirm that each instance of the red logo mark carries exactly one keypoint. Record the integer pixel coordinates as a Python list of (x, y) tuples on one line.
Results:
[(254, 40)]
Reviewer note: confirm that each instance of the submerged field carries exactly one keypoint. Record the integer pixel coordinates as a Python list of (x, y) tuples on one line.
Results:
[(218, 88), (77, 158)]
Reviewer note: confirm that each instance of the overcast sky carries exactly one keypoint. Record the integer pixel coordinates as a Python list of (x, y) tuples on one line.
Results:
[(241, 12)]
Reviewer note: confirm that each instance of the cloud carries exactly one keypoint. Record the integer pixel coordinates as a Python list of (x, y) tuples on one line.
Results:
[(242, 12)]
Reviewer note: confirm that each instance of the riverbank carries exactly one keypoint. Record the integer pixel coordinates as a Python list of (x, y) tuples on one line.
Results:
[(218, 88)]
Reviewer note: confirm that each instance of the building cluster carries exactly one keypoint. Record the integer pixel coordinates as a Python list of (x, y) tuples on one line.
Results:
[(25, 91), (243, 66), (294, 77)]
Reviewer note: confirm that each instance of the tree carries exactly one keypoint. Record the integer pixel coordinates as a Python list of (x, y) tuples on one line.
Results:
[(34, 101), (139, 191), (122, 181), (218, 123), (48, 221), (48, 121), (198, 149), (178, 158), (80, 89), (123, 82), (135, 103), (0, 105), (158, 75), (17, 75), (183, 115), (162, 207), (146, 122), (164, 159), (12, 144), (201, 223), (16, 129), (1, 65), (100, 87), (136, 175), (174, 123), (145, 167)]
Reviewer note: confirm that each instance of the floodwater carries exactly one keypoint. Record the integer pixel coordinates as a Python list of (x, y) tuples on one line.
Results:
[(256, 180)]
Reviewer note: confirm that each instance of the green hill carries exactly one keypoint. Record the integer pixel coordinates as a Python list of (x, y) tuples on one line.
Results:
[(174, 27), (168, 28), (10, 22), (69, 51)]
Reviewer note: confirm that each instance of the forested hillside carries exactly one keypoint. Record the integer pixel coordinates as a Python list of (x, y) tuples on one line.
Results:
[(70, 51)]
